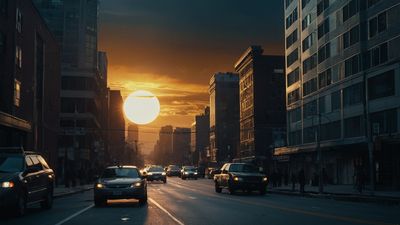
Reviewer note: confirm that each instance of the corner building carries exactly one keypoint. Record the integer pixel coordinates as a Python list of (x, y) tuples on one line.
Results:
[(343, 89)]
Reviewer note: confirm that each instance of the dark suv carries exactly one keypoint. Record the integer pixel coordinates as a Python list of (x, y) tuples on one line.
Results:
[(240, 176), (25, 178)]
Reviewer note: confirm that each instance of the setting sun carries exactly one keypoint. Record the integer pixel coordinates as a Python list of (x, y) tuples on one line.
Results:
[(141, 107)]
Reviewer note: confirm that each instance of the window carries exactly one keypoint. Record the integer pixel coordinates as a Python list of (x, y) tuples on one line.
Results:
[(309, 134), (310, 87), (18, 20), (330, 131), (325, 78), (310, 63), (324, 53), (353, 127), (321, 105), (350, 10), (310, 109), (17, 92), (294, 115), (306, 22), (353, 95), (77, 83), (321, 6), (292, 57), (352, 66), (382, 85), (308, 41), (377, 24), (18, 56), (304, 3), (323, 28), (295, 137), (385, 120), (291, 39), (293, 77), (288, 2), (335, 101), (351, 37), (291, 18), (375, 56), (294, 96), (372, 2)]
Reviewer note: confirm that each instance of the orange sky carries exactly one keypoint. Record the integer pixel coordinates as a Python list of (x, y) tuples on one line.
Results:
[(173, 51)]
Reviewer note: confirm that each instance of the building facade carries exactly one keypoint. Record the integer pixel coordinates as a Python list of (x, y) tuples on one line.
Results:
[(116, 128), (181, 146), (29, 80), (343, 89), (200, 137), (262, 108), (224, 117)]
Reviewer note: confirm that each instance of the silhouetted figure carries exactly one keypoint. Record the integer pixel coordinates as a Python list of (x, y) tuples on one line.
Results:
[(302, 180), (293, 180)]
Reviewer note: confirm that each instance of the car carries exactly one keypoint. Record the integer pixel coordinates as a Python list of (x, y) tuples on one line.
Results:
[(120, 182), (155, 173), (240, 176), (173, 170), (25, 179), (188, 172)]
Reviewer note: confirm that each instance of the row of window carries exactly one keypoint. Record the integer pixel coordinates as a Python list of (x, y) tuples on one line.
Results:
[(291, 39), (291, 18), (321, 6), (310, 87), (293, 77), (310, 63), (292, 57)]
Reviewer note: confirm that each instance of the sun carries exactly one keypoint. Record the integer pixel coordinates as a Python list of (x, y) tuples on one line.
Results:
[(141, 107)]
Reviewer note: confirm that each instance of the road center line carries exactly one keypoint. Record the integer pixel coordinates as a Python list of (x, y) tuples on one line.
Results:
[(75, 215), (164, 210)]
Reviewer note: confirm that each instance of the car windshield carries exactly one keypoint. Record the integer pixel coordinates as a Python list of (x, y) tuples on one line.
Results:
[(192, 169), (242, 168), (120, 173), (11, 164), (156, 169), (173, 168)]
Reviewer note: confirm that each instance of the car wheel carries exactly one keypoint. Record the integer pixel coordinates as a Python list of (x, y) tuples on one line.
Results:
[(143, 201), (99, 202), (231, 190), (217, 188), (20, 208), (48, 201)]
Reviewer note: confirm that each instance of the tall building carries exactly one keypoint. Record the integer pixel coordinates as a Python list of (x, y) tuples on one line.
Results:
[(116, 128), (262, 107), (29, 80), (164, 154), (181, 146), (343, 89), (200, 137), (74, 23), (224, 117), (133, 135)]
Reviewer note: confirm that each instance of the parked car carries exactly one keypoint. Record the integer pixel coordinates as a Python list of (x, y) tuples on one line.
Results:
[(25, 179), (153, 173), (240, 176), (188, 172), (173, 170), (120, 182)]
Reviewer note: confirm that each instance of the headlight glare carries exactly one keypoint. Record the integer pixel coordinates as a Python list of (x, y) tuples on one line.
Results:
[(265, 179), (7, 184), (164, 174), (99, 186), (136, 185)]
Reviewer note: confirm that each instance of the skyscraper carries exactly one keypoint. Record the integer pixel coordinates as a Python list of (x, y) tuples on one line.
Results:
[(342, 86)]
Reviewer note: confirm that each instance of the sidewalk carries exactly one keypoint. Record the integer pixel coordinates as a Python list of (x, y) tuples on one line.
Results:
[(341, 192), (62, 191)]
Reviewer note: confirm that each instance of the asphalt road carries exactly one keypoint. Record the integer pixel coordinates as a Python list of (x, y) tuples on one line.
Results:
[(195, 202)]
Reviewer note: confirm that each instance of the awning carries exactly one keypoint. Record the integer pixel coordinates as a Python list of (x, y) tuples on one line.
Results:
[(14, 122)]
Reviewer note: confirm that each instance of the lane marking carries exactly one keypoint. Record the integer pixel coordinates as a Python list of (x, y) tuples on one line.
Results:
[(292, 210), (75, 215), (166, 212)]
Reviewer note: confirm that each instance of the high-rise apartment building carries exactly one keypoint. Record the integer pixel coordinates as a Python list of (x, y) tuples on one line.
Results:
[(224, 117), (343, 89)]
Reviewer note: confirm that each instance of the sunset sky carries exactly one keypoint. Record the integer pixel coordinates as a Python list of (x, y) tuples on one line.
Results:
[(173, 47)]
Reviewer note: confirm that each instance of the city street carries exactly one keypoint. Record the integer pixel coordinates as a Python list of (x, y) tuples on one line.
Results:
[(195, 202)]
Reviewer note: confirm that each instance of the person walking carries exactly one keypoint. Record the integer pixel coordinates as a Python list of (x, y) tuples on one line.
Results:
[(302, 180)]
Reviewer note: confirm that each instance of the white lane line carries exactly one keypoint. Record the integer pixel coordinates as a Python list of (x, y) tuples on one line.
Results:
[(75, 215), (168, 213)]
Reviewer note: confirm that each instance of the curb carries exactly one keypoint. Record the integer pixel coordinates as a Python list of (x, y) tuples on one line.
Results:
[(61, 195), (343, 197)]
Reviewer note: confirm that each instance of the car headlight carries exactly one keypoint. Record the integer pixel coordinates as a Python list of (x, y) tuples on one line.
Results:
[(186, 173), (164, 174), (238, 179), (99, 186), (195, 173), (150, 174), (136, 185), (7, 184), (265, 179)]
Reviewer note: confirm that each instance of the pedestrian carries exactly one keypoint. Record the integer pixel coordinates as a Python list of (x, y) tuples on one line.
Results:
[(302, 180), (293, 179)]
